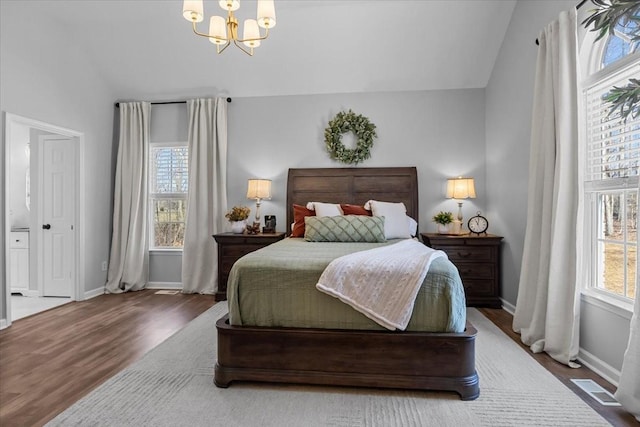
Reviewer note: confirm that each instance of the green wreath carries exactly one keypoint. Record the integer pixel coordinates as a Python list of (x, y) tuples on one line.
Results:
[(364, 131)]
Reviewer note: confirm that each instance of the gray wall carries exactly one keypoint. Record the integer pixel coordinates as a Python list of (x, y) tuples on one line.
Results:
[(49, 79), (509, 100), (439, 132), (169, 123), (19, 214)]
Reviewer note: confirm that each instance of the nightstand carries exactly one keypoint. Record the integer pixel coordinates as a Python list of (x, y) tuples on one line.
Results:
[(231, 247), (478, 261)]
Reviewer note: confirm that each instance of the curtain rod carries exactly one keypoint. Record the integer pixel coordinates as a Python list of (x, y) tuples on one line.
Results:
[(577, 7), (117, 104)]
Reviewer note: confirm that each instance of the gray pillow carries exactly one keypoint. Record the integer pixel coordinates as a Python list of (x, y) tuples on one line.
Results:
[(348, 228)]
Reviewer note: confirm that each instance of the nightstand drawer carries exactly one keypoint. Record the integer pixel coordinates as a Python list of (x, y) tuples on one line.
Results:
[(236, 251), (478, 288), (226, 263), (475, 271), (477, 259), (467, 253), (232, 247)]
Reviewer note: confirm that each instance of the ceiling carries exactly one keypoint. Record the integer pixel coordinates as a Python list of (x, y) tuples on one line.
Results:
[(145, 49)]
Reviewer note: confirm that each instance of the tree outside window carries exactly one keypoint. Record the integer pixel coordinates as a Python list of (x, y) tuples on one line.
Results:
[(169, 182)]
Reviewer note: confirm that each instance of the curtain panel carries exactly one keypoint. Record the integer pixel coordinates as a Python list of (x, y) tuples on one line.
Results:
[(207, 194), (547, 308), (129, 258), (628, 392)]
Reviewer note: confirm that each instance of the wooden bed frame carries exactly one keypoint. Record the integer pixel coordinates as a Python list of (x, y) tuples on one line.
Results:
[(385, 359)]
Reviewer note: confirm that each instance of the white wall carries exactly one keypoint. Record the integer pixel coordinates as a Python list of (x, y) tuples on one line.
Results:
[(48, 79), (509, 100)]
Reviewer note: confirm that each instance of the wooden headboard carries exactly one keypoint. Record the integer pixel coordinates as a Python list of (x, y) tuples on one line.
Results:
[(352, 185)]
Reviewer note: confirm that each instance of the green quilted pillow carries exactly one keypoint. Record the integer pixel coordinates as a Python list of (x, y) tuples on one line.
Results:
[(348, 228)]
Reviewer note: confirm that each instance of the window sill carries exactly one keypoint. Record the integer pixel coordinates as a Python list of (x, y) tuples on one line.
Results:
[(165, 251), (613, 305)]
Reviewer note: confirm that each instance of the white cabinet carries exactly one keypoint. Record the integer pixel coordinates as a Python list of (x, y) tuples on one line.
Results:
[(19, 261)]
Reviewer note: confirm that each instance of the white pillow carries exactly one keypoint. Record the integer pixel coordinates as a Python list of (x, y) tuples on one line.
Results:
[(413, 226), (396, 225), (325, 209)]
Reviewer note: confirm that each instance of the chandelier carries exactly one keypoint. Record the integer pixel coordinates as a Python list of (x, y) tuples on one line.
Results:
[(224, 31)]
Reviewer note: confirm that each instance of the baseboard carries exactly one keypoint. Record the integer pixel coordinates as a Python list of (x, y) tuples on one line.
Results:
[(508, 307), (598, 366), (27, 293), (94, 293), (3, 324), (164, 285)]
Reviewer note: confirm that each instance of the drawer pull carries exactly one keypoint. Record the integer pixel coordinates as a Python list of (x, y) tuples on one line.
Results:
[(464, 255)]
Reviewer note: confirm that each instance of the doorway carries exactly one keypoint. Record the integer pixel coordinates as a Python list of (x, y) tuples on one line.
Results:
[(43, 212)]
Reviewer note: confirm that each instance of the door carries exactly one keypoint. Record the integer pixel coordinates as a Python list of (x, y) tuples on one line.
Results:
[(58, 195)]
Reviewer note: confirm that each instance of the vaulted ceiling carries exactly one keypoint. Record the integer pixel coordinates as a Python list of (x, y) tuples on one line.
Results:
[(146, 49)]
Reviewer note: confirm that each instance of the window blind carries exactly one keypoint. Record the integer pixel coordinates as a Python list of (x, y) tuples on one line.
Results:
[(613, 146), (169, 170)]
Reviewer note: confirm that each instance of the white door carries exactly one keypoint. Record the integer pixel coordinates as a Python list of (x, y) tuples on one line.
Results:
[(58, 195)]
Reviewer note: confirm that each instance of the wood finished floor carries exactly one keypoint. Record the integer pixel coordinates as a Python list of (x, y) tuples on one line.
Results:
[(614, 414), (50, 360)]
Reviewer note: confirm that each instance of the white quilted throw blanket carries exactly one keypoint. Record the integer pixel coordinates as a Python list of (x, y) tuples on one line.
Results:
[(381, 283)]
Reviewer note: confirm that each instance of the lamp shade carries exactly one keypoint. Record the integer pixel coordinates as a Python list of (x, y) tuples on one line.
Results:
[(217, 28), (259, 189), (251, 33), (229, 4), (461, 188), (266, 14), (192, 10)]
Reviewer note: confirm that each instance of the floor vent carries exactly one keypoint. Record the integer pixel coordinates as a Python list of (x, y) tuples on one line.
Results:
[(167, 292), (594, 390)]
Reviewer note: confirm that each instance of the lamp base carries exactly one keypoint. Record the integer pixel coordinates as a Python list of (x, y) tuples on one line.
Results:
[(456, 228)]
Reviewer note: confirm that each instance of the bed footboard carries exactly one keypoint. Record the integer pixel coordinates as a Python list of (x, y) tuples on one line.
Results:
[(403, 360)]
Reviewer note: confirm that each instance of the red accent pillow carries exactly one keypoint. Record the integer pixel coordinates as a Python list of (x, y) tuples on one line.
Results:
[(299, 212), (355, 210)]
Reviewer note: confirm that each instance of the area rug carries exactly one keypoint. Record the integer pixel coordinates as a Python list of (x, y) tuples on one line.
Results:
[(172, 385)]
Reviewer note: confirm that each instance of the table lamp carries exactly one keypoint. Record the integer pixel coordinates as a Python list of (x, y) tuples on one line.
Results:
[(460, 188), (259, 189)]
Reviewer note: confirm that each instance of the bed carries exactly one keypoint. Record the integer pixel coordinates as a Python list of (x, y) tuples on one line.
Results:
[(366, 357)]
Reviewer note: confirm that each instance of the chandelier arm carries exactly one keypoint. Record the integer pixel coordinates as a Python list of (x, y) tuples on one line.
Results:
[(242, 49), (219, 51), (257, 38), (207, 35)]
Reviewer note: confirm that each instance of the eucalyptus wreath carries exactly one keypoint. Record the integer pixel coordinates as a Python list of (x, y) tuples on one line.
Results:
[(362, 128)]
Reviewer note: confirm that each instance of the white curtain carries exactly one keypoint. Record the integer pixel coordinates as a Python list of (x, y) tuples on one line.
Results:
[(628, 393), (129, 260), (207, 196), (547, 308)]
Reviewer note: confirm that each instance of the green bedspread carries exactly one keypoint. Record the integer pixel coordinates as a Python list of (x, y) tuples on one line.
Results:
[(275, 286)]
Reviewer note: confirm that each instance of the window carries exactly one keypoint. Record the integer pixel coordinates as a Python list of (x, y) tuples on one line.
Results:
[(611, 170), (620, 44), (168, 184)]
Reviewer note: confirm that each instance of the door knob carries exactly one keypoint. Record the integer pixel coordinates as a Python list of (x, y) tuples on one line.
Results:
[(46, 226)]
